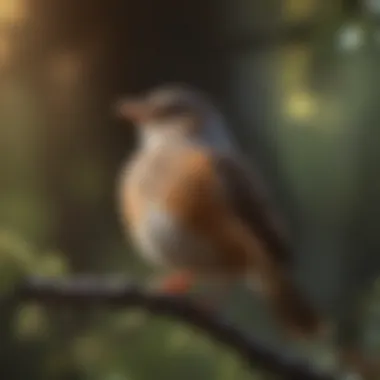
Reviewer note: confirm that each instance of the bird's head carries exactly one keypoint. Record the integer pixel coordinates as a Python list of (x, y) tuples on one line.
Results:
[(175, 110), (165, 105)]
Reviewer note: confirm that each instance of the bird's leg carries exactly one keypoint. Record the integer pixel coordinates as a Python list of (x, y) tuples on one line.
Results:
[(182, 283), (177, 283)]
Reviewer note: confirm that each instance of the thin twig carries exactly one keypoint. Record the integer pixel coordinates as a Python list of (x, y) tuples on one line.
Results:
[(76, 292)]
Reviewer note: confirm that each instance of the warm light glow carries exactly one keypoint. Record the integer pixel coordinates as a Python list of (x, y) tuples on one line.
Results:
[(300, 106), (5, 51), (12, 11), (298, 103), (294, 63)]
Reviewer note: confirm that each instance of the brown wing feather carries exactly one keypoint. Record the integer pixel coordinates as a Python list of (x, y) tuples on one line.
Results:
[(240, 237), (251, 203)]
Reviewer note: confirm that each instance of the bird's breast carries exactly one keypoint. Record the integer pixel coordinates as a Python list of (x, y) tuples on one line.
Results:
[(163, 240), (160, 236)]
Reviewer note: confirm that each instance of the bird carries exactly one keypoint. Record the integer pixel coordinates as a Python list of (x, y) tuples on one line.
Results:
[(195, 208)]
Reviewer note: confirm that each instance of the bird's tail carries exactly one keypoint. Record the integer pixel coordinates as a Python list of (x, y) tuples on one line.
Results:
[(291, 309)]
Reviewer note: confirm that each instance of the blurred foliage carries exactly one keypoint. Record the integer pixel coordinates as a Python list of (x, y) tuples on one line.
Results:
[(124, 344)]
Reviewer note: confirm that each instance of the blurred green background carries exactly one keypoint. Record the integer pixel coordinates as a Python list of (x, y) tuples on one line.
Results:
[(299, 82)]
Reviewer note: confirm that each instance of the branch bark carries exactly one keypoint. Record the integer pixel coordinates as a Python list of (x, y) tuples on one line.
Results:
[(82, 291)]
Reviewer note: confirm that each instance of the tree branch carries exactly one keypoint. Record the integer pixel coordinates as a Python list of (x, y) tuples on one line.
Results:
[(84, 291)]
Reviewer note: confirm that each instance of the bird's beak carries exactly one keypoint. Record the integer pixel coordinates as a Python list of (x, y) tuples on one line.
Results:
[(132, 109)]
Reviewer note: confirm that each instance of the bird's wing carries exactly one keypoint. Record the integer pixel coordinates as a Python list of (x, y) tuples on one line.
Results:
[(251, 203), (246, 236)]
